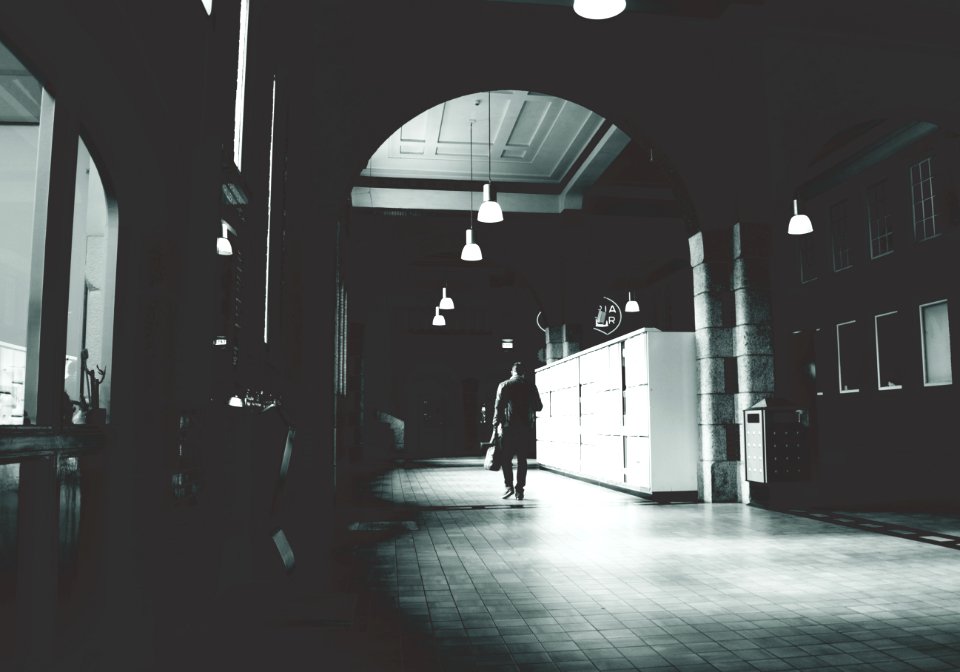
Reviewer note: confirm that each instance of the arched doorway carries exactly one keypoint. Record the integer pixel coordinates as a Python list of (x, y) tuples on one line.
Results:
[(589, 213)]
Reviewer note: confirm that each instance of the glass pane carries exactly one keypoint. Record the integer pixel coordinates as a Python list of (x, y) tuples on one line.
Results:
[(847, 350), (936, 344), (889, 351), (90, 318), (20, 95)]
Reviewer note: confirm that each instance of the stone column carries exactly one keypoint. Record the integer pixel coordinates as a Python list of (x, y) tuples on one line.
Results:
[(753, 333), (719, 474), (561, 341)]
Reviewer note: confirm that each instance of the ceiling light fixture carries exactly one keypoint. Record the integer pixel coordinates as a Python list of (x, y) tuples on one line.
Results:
[(490, 211), (471, 251), (224, 248), (506, 343), (599, 9), (446, 303), (632, 305), (438, 319), (799, 224)]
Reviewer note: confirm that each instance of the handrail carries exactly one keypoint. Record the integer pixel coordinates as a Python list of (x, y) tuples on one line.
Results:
[(18, 442)]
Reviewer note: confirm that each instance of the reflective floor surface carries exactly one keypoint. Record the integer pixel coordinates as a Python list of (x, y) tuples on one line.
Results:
[(579, 577)]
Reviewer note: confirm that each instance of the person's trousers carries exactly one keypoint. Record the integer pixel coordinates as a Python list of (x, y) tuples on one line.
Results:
[(516, 442)]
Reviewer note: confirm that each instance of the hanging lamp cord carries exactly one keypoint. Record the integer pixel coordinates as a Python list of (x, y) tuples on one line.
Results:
[(470, 186), (489, 143)]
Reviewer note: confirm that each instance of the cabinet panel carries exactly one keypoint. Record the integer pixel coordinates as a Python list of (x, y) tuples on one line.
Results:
[(636, 417), (638, 461), (635, 361)]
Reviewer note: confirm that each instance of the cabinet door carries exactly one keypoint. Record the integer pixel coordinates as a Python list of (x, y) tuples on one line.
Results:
[(637, 458), (635, 361)]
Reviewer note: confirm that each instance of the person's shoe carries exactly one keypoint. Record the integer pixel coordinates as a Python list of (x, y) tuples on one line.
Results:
[(508, 494), (520, 493)]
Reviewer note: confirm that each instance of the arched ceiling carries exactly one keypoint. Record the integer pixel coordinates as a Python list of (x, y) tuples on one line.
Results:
[(543, 153)]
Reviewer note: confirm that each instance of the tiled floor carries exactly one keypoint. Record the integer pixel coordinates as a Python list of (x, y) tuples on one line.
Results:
[(578, 577)]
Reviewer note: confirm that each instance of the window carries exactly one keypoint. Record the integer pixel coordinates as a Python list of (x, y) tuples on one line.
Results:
[(266, 287), (809, 257), (839, 231), (889, 342), (847, 353), (935, 344), (241, 83), (88, 372), (25, 152), (881, 235), (921, 190)]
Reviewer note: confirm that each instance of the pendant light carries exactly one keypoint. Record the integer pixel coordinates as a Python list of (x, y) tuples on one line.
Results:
[(490, 211), (799, 224), (471, 251), (438, 319), (446, 303), (632, 305), (599, 9)]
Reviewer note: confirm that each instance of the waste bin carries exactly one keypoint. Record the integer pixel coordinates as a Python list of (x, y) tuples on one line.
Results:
[(776, 447)]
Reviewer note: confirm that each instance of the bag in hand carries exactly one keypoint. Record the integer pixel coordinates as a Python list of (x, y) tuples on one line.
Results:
[(491, 461)]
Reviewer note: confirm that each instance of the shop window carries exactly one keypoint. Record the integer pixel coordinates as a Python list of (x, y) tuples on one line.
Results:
[(935, 343), (888, 333), (93, 261), (848, 353), (921, 191), (25, 155), (840, 236)]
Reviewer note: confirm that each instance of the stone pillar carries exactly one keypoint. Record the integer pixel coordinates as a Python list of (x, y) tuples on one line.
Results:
[(719, 474), (753, 333), (561, 341)]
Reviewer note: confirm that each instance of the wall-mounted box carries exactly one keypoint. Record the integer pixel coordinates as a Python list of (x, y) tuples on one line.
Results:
[(776, 446)]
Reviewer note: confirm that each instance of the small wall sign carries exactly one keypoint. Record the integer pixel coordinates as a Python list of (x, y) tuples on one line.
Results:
[(608, 317)]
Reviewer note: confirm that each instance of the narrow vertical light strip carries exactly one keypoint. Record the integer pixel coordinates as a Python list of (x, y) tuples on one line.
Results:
[(266, 275), (241, 83)]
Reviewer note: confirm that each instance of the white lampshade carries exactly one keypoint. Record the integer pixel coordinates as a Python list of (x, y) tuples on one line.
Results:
[(471, 251), (490, 211), (599, 9), (235, 401), (438, 319), (799, 224), (632, 305), (446, 303)]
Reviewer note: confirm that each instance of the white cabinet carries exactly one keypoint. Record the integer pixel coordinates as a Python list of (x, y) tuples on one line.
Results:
[(624, 412)]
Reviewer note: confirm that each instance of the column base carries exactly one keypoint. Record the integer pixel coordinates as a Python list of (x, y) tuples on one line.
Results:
[(720, 481)]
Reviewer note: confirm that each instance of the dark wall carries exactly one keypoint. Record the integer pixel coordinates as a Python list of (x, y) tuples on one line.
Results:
[(875, 445)]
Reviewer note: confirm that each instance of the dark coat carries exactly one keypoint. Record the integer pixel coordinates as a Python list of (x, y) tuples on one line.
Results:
[(518, 400)]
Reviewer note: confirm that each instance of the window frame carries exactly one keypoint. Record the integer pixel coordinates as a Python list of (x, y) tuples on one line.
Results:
[(932, 218), (843, 223), (923, 345), (840, 360), (876, 347), (879, 187)]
